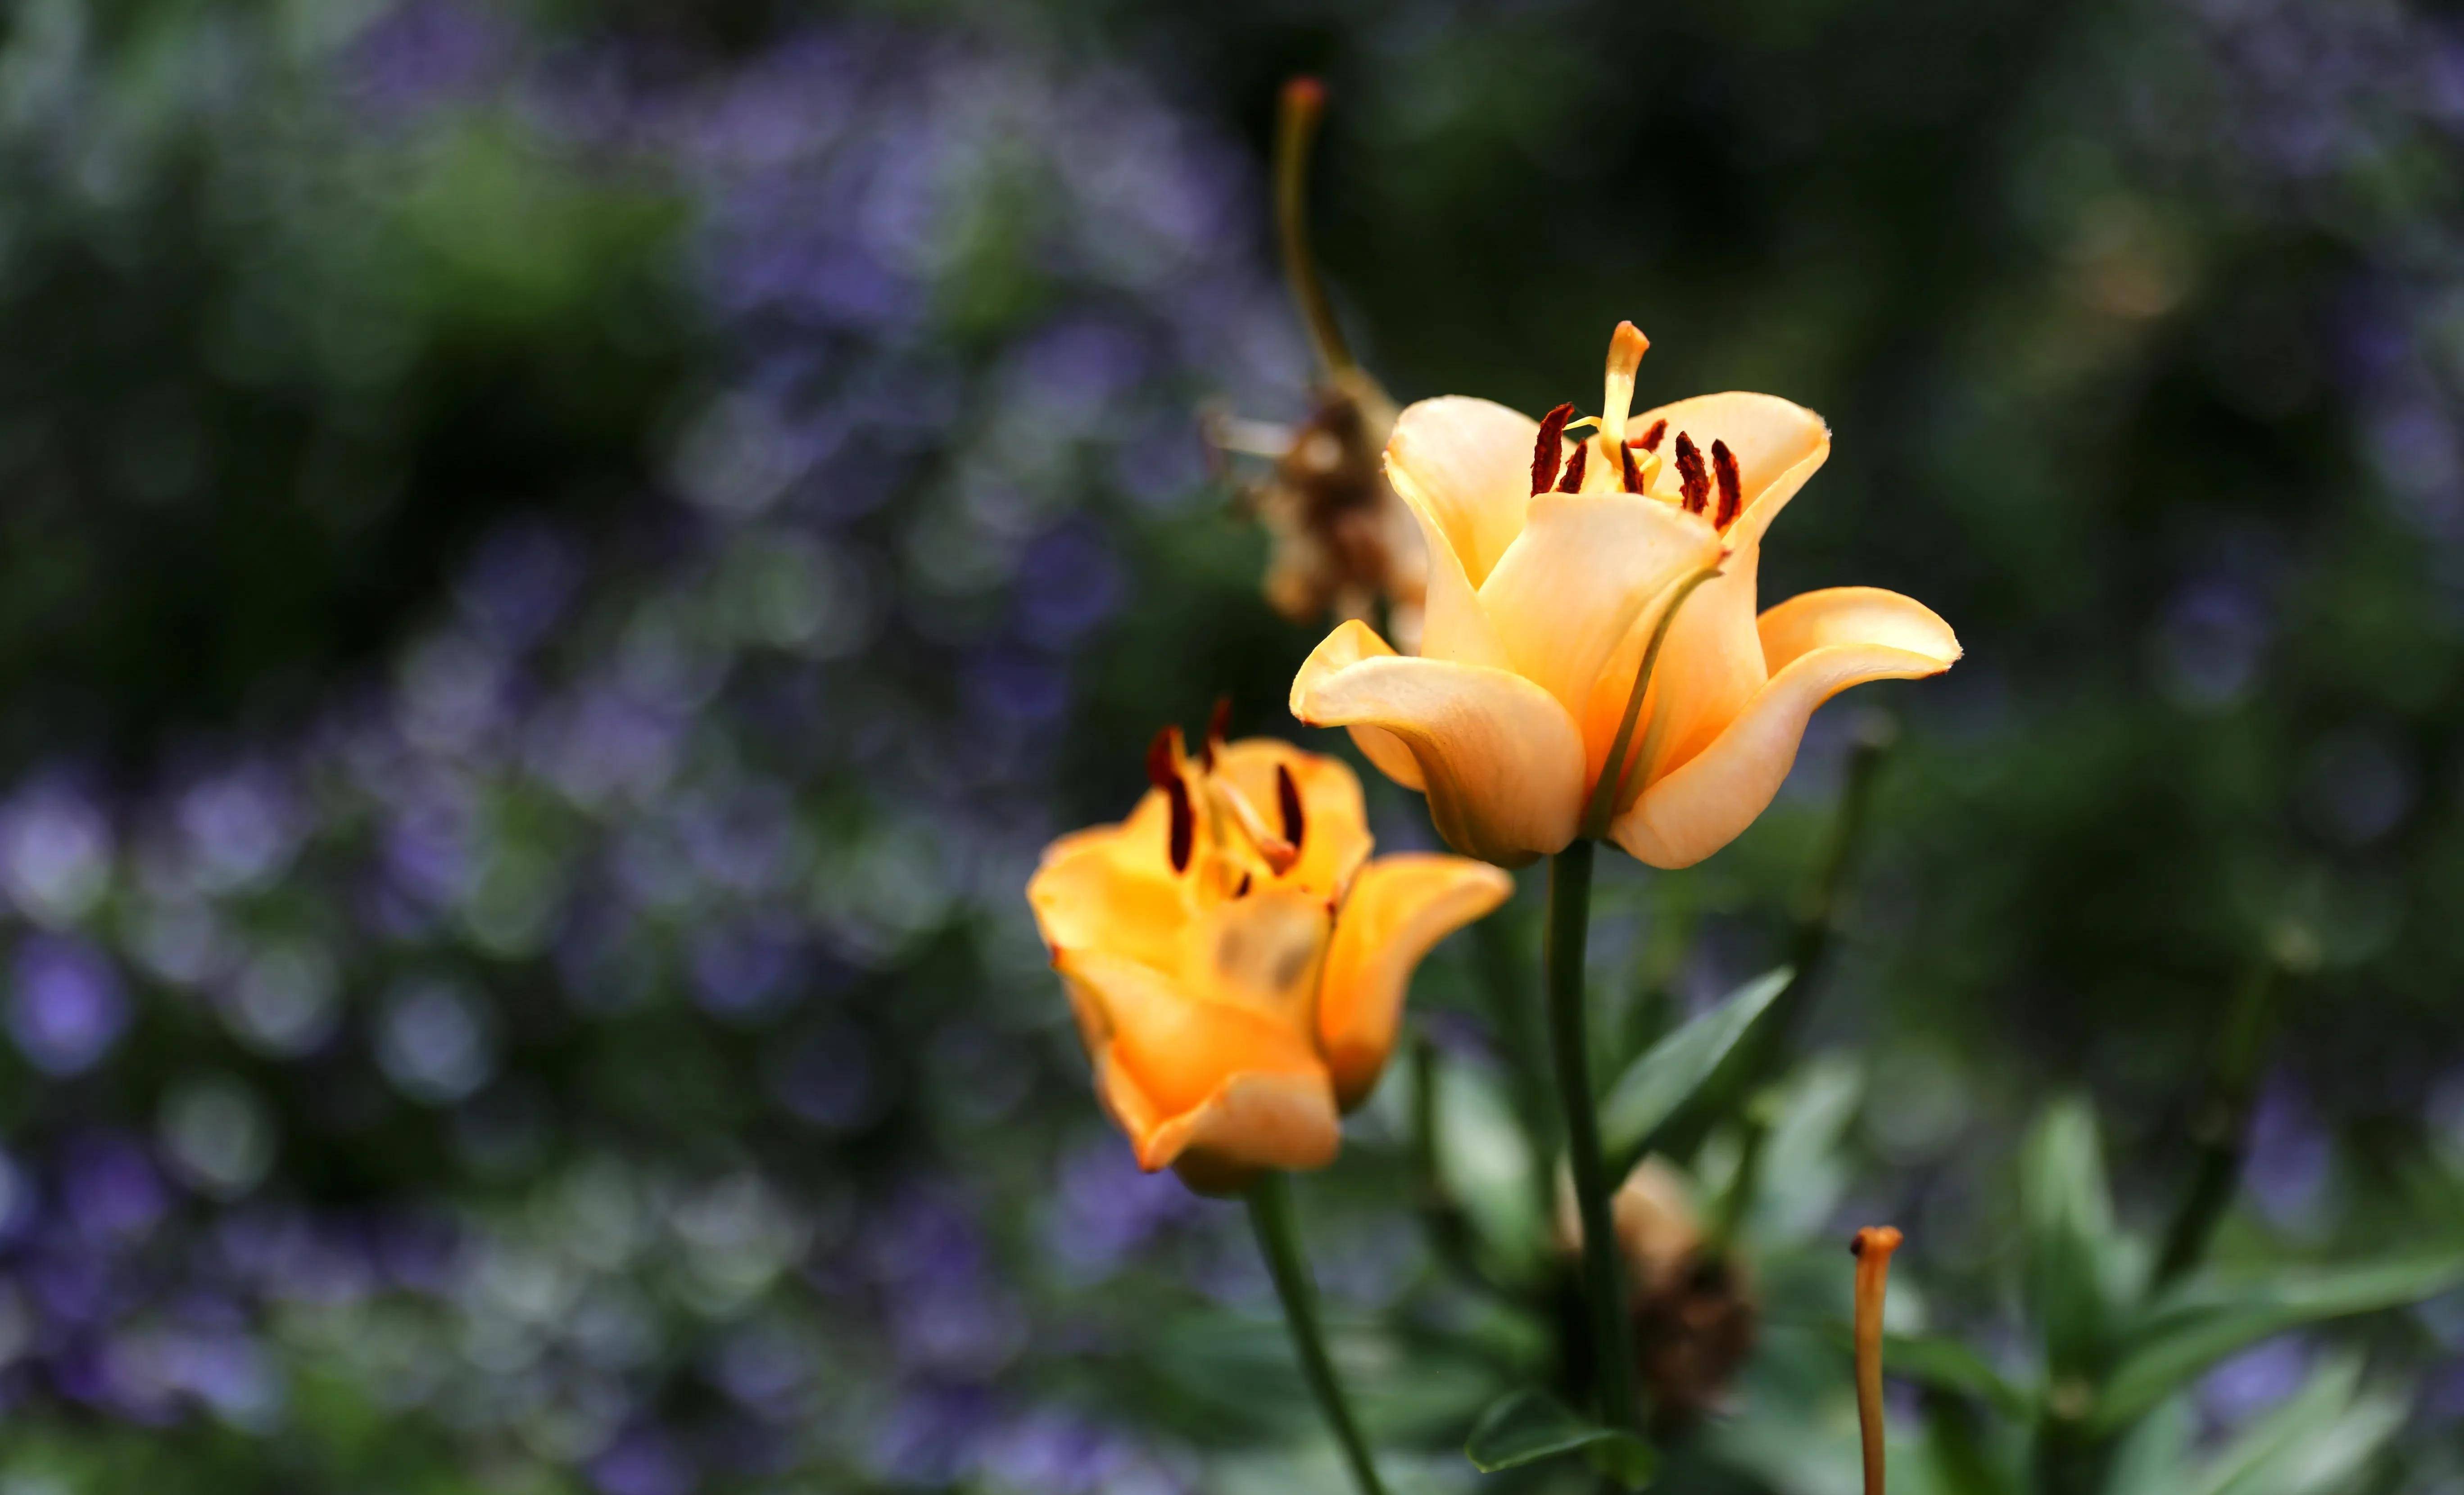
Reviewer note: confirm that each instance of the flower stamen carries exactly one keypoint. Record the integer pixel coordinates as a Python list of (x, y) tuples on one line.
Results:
[(1633, 480), (1692, 479), (1164, 756), (1550, 447), (1217, 722), (1277, 851), (1573, 481), (1650, 440), (1287, 801), (1626, 348), (1724, 464)]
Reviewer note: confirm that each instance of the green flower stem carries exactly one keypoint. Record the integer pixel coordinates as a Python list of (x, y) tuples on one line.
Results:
[(1270, 1216), (2221, 1123), (1570, 910), (1297, 122)]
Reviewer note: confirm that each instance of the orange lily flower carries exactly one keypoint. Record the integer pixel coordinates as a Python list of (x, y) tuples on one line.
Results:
[(1236, 962), (1550, 563)]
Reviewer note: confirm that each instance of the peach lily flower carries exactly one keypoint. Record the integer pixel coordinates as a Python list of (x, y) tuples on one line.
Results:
[(1549, 565), (1236, 962)]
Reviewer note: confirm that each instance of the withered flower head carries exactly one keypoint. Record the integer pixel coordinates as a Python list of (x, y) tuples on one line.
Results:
[(1344, 543), (1692, 1307)]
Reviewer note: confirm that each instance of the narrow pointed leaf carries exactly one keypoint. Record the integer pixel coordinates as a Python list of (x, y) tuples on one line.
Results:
[(2067, 1212), (1946, 1364), (2314, 1443), (2206, 1321), (1668, 1075), (2155, 1457), (1526, 1427)]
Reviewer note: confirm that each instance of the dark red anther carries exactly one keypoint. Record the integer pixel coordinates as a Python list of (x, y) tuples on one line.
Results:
[(1287, 800), (1650, 441), (1573, 481), (1633, 469), (1242, 892), (1163, 758), (1692, 479), (1184, 826), (1550, 447), (1732, 491), (1163, 771), (1217, 725)]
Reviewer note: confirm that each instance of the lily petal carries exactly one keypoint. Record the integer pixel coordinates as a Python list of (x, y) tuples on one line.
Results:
[(1843, 615), (1569, 587), (1400, 908), (1111, 887), (1452, 624), (1178, 1072), (1777, 445), (1260, 953), (1335, 837), (1253, 1122), (1500, 760), (1709, 668), (1351, 642), (1850, 636), (1470, 461)]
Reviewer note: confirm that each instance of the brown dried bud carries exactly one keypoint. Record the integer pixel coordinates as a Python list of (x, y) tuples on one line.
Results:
[(1342, 538), (1693, 1312)]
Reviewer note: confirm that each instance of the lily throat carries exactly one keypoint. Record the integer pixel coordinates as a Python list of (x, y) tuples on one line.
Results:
[(1609, 460)]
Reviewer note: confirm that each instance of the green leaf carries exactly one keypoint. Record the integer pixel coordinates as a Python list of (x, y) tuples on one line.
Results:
[(1666, 1076), (2314, 1443), (1803, 1174), (1525, 1426), (2207, 1320), (1486, 1160), (2155, 1457), (1946, 1364), (2067, 1213), (2318, 1292)]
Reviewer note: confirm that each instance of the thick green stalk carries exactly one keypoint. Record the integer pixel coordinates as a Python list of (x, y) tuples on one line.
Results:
[(1270, 1216), (1569, 910)]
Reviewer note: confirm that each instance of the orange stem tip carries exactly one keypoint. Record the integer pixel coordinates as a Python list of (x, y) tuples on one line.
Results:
[(1873, 1248)]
